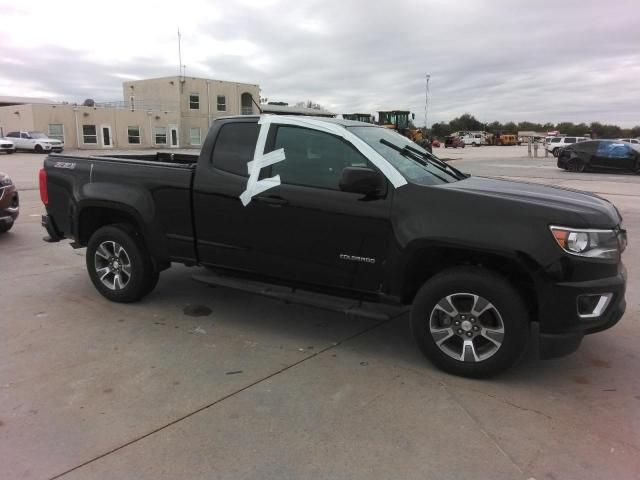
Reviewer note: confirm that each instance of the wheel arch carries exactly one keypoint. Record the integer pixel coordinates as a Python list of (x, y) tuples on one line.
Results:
[(92, 215), (425, 261)]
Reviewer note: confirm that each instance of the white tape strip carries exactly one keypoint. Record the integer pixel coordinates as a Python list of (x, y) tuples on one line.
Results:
[(260, 160)]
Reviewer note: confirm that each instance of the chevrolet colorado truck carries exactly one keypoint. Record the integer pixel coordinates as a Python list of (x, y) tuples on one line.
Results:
[(356, 211)]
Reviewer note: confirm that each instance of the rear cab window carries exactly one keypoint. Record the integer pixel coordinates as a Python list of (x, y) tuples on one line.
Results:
[(235, 146)]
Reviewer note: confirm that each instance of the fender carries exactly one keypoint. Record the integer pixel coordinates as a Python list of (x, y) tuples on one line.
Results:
[(133, 201)]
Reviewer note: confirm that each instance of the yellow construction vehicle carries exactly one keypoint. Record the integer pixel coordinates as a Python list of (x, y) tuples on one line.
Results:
[(398, 120)]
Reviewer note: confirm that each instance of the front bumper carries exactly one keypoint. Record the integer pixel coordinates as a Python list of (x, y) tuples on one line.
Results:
[(9, 205), (562, 329)]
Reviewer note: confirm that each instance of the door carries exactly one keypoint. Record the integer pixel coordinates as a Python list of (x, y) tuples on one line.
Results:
[(305, 229), (107, 140), (173, 136)]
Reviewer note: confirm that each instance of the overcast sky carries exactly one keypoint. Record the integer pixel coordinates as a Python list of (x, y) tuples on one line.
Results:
[(535, 60)]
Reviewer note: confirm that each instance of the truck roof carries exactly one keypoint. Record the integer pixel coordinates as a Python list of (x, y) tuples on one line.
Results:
[(335, 121)]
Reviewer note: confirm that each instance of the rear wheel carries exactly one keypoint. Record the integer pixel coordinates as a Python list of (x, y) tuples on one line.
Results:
[(118, 264), (470, 321)]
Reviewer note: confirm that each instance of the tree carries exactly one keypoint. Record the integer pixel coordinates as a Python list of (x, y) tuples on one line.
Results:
[(89, 102), (466, 121)]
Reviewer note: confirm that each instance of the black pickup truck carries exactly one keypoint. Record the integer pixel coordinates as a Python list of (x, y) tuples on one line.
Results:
[(355, 211)]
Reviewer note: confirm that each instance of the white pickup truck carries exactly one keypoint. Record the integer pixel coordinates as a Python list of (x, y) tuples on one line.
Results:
[(35, 141)]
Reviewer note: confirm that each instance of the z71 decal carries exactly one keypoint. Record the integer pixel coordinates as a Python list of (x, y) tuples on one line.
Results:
[(69, 165)]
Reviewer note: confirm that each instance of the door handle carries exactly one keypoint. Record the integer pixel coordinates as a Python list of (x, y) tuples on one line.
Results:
[(273, 201)]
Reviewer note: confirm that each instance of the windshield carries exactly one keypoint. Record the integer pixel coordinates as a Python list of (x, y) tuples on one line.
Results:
[(37, 135), (410, 168)]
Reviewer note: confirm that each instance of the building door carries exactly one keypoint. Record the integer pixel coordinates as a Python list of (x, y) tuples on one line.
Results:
[(246, 104), (173, 136), (107, 140)]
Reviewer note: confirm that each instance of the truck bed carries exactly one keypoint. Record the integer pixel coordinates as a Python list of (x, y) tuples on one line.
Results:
[(159, 157)]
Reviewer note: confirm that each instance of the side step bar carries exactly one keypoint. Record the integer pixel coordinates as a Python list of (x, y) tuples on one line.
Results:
[(332, 303)]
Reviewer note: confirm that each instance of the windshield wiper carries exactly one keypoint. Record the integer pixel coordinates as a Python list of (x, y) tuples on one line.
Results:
[(425, 160), (412, 155), (445, 166)]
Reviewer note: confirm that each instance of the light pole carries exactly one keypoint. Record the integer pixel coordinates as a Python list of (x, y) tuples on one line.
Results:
[(426, 102)]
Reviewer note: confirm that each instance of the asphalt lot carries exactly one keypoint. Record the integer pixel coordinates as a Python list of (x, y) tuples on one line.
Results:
[(261, 389)]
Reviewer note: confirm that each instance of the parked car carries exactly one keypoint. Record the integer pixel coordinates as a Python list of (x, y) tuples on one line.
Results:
[(600, 154), (9, 203), (35, 141), (474, 139), (554, 144), (358, 212), (435, 143), (630, 140), (7, 146), (453, 142)]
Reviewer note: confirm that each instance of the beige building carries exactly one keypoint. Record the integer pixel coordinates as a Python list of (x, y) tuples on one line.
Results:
[(170, 112)]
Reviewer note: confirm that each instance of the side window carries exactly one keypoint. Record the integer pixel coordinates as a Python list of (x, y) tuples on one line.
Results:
[(313, 158), (235, 146), (24, 135), (570, 140), (13, 135), (556, 140)]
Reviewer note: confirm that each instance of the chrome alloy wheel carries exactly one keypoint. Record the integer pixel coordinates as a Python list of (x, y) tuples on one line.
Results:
[(466, 327), (112, 265)]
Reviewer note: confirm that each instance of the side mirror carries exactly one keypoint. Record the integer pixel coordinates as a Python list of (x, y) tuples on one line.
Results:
[(361, 180)]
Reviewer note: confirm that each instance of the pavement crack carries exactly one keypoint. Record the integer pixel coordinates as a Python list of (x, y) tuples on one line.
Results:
[(228, 396), (485, 432)]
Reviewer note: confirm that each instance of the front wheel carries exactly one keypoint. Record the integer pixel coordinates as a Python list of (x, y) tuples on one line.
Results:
[(118, 264), (575, 165), (39, 149), (556, 152), (470, 321)]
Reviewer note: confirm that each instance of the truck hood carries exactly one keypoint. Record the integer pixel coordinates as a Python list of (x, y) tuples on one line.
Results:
[(593, 210)]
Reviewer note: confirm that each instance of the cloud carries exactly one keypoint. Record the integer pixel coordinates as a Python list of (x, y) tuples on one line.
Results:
[(546, 61)]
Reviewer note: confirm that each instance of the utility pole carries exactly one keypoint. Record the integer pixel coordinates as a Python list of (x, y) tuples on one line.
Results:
[(426, 102), (181, 67)]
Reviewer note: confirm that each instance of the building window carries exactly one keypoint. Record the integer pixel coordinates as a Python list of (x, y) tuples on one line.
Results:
[(89, 134), (222, 103), (196, 138), (132, 102), (133, 133), (160, 135), (194, 101), (56, 130)]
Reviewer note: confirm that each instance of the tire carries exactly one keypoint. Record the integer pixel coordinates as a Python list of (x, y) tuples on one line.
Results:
[(39, 149), (498, 336), (118, 264), (9, 152), (4, 228), (576, 165), (556, 152), (474, 144)]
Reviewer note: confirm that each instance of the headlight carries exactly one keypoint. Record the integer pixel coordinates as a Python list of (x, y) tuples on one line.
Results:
[(5, 181), (590, 243)]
